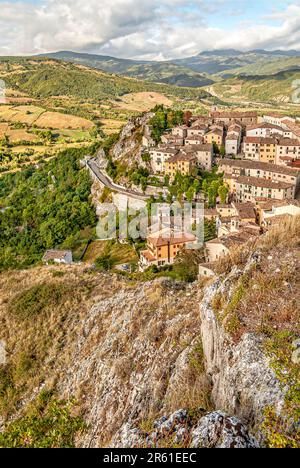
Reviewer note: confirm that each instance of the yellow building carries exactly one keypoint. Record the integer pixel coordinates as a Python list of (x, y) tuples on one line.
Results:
[(182, 163), (231, 181), (268, 150), (163, 248), (215, 135)]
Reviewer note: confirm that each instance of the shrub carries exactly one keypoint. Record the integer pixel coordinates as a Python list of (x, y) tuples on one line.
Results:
[(49, 424)]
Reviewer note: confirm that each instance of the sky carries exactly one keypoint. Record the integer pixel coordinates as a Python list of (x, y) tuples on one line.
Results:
[(147, 29)]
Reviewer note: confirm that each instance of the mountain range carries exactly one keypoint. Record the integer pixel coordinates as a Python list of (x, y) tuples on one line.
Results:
[(197, 71)]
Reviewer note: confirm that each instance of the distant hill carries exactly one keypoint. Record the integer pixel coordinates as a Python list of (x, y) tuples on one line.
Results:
[(158, 72), (275, 88), (224, 62), (41, 78), (193, 71)]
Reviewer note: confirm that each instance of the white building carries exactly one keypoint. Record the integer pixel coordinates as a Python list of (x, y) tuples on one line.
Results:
[(204, 154), (287, 148), (233, 139), (277, 119), (159, 156), (180, 131), (197, 130), (58, 256), (264, 130)]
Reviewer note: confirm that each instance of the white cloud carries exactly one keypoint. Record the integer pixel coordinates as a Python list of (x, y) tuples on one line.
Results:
[(150, 29)]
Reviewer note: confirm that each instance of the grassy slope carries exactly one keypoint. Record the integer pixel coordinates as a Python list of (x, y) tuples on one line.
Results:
[(226, 62), (269, 67), (43, 79), (159, 72), (273, 88)]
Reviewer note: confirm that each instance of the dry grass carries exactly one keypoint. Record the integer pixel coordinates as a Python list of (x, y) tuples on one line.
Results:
[(121, 253), (35, 324), (59, 121), (267, 298), (143, 102)]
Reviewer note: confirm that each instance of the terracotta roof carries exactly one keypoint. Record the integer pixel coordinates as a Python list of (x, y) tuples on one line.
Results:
[(278, 219), (245, 210), (194, 138), (205, 147), (292, 127), (288, 142), (181, 157), (264, 125), (232, 136), (295, 164), (234, 115), (215, 131), (264, 183), (260, 140), (161, 240), (235, 127), (148, 256), (266, 167), (236, 239), (198, 127), (268, 205), (210, 212), (164, 149)]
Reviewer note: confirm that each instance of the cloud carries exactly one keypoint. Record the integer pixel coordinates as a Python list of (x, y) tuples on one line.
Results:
[(148, 29)]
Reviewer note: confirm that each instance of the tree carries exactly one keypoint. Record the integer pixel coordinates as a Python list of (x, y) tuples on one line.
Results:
[(216, 148), (190, 194), (223, 151), (187, 117), (146, 157), (212, 197), (223, 193), (104, 263)]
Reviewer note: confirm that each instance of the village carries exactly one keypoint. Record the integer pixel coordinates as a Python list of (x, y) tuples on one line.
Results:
[(261, 168), (258, 158)]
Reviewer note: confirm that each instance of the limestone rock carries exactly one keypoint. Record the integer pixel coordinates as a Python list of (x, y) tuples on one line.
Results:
[(217, 430)]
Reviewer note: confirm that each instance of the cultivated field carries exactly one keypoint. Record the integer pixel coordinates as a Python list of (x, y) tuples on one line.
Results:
[(143, 102), (57, 120)]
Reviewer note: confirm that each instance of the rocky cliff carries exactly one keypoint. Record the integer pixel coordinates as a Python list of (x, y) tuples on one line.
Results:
[(132, 354), (128, 149)]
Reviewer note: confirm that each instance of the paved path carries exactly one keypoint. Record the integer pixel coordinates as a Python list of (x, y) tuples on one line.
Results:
[(105, 180)]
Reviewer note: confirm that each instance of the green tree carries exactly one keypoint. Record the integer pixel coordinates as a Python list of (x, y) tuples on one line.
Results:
[(223, 193)]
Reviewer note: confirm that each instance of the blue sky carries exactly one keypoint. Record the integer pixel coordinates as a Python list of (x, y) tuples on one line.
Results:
[(150, 29)]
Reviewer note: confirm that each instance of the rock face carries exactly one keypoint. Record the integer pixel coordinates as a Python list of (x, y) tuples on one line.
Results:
[(215, 430), (132, 356), (242, 381), (129, 147)]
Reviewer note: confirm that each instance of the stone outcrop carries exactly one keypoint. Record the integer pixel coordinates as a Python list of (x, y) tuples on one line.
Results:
[(129, 146), (243, 382), (214, 430)]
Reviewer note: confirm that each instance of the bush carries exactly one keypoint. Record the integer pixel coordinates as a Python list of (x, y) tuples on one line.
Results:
[(49, 424)]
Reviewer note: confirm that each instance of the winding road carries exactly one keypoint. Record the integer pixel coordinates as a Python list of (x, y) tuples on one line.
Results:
[(97, 171)]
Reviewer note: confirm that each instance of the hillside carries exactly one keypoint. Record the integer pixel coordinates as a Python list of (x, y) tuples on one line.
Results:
[(269, 68), (277, 88), (226, 62), (194, 71), (157, 72), (41, 78), (93, 359), (52, 105)]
